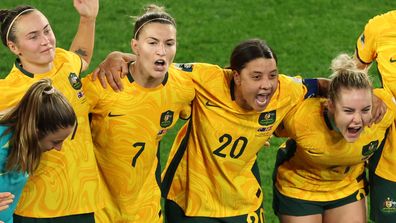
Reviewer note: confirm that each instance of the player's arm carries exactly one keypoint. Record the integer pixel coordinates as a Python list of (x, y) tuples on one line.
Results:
[(316, 87), (379, 108), (359, 63), (83, 42)]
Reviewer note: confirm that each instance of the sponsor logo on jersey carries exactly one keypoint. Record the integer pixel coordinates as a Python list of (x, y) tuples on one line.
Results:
[(166, 119), (362, 39), (389, 206), (267, 118), (185, 66), (80, 94), (314, 152), (210, 104), (161, 132), (75, 82), (114, 115), (369, 149), (392, 60), (264, 129)]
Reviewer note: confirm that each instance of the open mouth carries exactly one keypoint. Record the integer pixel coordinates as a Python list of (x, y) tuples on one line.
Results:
[(354, 131), (160, 62), (262, 99), (160, 65)]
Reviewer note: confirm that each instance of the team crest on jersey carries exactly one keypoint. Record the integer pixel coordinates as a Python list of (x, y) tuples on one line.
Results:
[(267, 118), (389, 206), (185, 66), (75, 81), (369, 149), (166, 119)]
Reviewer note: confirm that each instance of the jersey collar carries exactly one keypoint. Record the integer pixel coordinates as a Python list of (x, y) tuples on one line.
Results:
[(18, 65), (131, 80), (329, 120)]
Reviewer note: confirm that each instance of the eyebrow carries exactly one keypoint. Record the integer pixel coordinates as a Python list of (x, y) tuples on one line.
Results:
[(153, 38), (260, 72), (346, 107), (34, 32)]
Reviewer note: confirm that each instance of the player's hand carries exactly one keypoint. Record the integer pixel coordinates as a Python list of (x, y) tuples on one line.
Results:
[(6, 198), (87, 8), (378, 111), (111, 70)]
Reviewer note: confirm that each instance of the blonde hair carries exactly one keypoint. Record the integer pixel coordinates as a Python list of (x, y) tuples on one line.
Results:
[(42, 110), (346, 75)]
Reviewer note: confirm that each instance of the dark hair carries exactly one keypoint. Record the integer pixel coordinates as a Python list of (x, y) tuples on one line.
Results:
[(346, 75), (153, 13), (42, 110), (249, 50), (7, 16)]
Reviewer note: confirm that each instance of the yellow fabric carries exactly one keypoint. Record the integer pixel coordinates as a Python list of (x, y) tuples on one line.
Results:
[(325, 167), (126, 128), (214, 177), (67, 181), (377, 42)]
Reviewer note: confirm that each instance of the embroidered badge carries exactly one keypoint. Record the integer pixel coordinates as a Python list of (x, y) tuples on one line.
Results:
[(267, 118), (166, 119), (389, 206), (75, 82), (369, 149)]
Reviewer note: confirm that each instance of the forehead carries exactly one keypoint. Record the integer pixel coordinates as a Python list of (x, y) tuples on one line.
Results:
[(31, 21), (349, 96), (261, 64), (158, 30)]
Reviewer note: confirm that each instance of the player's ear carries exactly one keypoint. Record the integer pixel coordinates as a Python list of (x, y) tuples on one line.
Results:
[(135, 46), (237, 78), (331, 106), (14, 48)]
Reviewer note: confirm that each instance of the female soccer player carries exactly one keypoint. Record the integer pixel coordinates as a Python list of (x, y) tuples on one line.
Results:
[(212, 175), (41, 121), (320, 175), (377, 43), (65, 187), (127, 126)]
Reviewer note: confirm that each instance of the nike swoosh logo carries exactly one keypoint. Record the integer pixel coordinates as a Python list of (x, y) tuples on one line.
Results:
[(115, 115), (313, 152), (392, 60), (208, 103)]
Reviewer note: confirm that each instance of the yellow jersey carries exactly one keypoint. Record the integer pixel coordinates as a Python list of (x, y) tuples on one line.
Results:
[(378, 42), (212, 170), (126, 129), (324, 166), (67, 181)]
